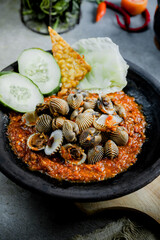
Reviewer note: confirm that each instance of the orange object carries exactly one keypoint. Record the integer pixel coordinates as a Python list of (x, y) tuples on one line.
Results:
[(134, 7), (101, 10)]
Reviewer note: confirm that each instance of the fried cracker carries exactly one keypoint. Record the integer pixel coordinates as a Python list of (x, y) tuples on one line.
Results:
[(73, 66)]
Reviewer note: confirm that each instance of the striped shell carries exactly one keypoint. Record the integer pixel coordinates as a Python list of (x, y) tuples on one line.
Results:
[(75, 100), (37, 141), (44, 123), (73, 154), (70, 130), (95, 154), (99, 123), (29, 118), (54, 143), (84, 120), (120, 136), (111, 149), (89, 104), (57, 123), (76, 112), (90, 137), (59, 106)]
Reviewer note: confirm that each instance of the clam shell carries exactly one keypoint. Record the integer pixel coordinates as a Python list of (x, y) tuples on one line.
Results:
[(95, 154), (60, 121), (90, 137), (42, 108), (70, 130), (105, 105), (76, 112), (99, 123), (116, 120), (44, 123), (111, 149), (75, 100), (73, 154), (84, 120), (57, 123), (59, 106), (112, 120), (54, 143), (29, 118), (54, 127), (89, 104), (37, 141), (119, 136), (120, 110), (106, 121), (75, 127)]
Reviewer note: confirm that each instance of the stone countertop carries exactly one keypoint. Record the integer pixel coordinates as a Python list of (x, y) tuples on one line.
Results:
[(24, 215)]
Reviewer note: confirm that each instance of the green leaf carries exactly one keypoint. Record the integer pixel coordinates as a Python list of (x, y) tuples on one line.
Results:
[(109, 69)]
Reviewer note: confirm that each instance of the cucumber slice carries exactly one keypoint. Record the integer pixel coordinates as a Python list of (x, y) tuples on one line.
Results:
[(19, 93), (5, 72), (41, 68)]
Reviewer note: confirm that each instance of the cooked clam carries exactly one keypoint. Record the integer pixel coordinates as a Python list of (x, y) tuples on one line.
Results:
[(105, 105), (119, 136), (75, 100), (84, 120), (73, 154), (111, 149), (37, 141), (58, 105), (57, 123), (76, 112), (89, 103), (114, 120), (42, 108), (90, 137), (44, 123), (54, 142), (120, 110), (105, 121), (70, 130), (99, 123), (95, 154), (29, 118)]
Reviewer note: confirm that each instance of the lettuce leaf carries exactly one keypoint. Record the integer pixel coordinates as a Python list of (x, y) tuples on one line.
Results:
[(109, 69)]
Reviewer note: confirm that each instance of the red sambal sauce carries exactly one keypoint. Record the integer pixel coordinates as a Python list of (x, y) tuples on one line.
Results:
[(55, 167)]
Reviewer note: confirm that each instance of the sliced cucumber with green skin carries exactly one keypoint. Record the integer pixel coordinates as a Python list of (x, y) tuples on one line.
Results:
[(19, 93), (41, 68), (5, 72)]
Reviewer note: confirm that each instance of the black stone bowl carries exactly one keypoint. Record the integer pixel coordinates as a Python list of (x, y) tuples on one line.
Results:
[(146, 90)]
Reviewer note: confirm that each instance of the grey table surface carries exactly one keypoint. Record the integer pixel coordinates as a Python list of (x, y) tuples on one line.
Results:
[(24, 215)]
